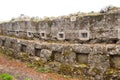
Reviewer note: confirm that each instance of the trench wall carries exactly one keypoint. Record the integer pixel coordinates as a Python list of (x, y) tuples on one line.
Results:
[(83, 28), (96, 58)]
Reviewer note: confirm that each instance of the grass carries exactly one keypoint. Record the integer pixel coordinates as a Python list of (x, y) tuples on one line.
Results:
[(1, 50), (6, 76), (31, 65), (43, 70), (28, 79), (50, 79)]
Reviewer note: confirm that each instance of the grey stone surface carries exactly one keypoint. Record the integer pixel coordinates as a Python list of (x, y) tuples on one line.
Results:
[(31, 49), (99, 58), (99, 62), (81, 48), (55, 66), (58, 56), (68, 56), (45, 55), (101, 28), (57, 47)]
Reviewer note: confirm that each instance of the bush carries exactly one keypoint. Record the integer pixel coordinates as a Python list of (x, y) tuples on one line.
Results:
[(6, 77)]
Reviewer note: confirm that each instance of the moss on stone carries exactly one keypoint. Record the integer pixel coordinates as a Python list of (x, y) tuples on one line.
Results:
[(38, 63), (66, 69), (2, 50), (66, 53), (24, 56)]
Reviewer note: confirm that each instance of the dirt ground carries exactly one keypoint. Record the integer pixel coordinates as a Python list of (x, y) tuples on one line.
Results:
[(21, 71)]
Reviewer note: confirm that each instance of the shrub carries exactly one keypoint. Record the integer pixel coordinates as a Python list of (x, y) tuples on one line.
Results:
[(41, 69), (6, 77), (28, 79)]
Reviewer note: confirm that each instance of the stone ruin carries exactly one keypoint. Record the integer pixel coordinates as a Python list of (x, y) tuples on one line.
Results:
[(87, 45)]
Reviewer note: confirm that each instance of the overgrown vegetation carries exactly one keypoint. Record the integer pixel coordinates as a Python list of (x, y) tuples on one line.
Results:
[(65, 69), (43, 70), (6, 76), (28, 79), (1, 50)]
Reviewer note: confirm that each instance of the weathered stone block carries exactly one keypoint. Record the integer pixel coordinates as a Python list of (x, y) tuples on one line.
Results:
[(55, 66), (98, 61), (45, 55), (57, 56), (30, 48), (81, 48), (57, 47), (68, 56)]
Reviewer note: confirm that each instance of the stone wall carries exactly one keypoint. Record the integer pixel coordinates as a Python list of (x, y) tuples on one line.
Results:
[(86, 45), (95, 61), (97, 28)]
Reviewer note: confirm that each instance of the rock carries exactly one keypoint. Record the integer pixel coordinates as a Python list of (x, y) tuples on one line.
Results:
[(58, 56), (37, 58), (99, 62), (81, 48), (55, 66), (68, 56), (30, 49), (111, 49), (45, 55), (57, 47)]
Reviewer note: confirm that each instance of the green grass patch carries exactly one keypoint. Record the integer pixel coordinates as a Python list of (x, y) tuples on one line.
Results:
[(31, 65), (28, 79), (43, 70), (6, 76)]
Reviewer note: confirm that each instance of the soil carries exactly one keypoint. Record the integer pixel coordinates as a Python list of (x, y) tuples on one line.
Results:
[(21, 71)]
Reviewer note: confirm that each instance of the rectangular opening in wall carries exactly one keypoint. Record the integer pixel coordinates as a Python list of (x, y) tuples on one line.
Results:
[(37, 52), (43, 35), (17, 33), (3, 43), (61, 36), (29, 34), (115, 61), (53, 55), (11, 44), (84, 35), (23, 48), (82, 58)]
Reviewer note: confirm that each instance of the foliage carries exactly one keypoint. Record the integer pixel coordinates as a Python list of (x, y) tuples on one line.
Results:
[(6, 77), (42, 70), (1, 50), (31, 65), (65, 69), (28, 79)]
